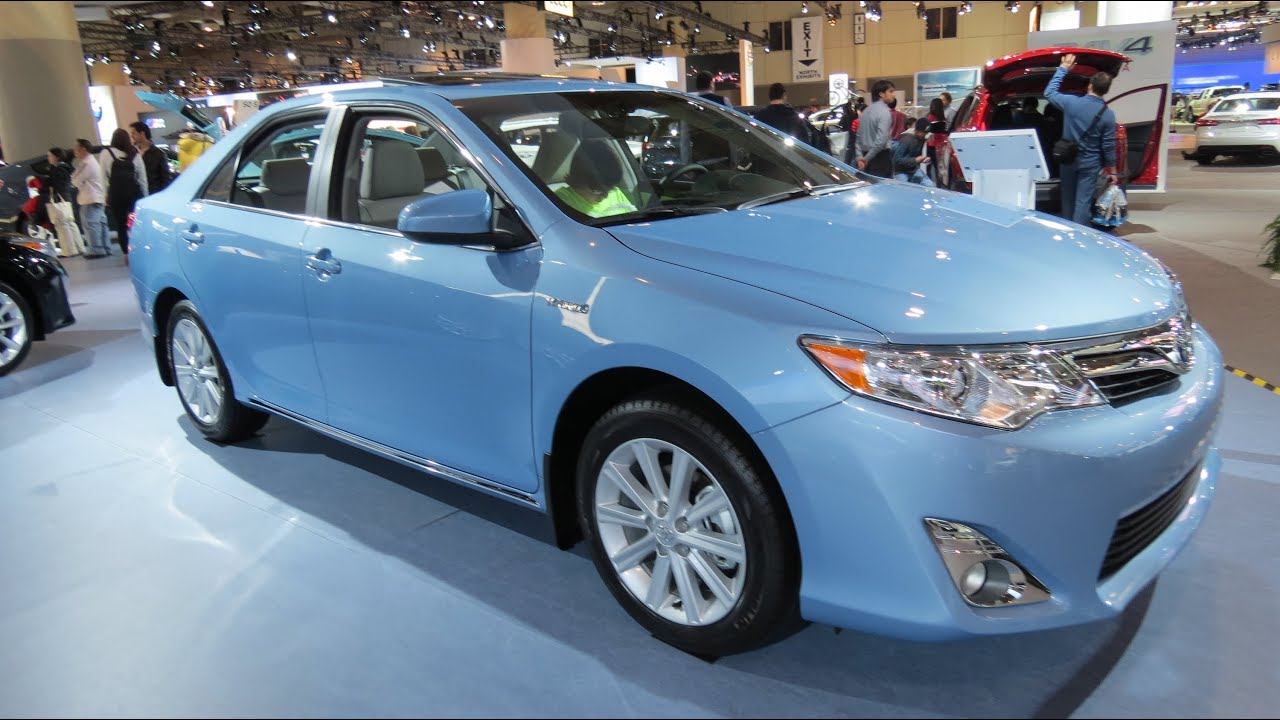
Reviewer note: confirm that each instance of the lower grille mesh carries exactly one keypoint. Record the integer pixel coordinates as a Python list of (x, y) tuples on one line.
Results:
[(1137, 530)]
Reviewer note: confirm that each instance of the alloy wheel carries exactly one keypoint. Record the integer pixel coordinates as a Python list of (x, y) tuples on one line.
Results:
[(13, 329), (196, 372), (670, 532)]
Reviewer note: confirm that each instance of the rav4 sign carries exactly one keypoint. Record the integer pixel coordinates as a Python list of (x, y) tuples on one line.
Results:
[(806, 49), (1140, 94)]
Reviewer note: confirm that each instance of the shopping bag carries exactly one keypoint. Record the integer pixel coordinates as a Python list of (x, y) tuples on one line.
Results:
[(1111, 209), (63, 218)]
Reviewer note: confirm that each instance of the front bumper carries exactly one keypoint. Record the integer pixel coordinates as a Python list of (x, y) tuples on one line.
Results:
[(860, 477)]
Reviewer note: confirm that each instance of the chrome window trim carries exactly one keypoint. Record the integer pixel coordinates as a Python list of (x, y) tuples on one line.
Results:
[(250, 208), (400, 456)]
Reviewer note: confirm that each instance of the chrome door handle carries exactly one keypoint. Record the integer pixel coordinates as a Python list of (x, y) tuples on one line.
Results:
[(193, 236), (324, 265)]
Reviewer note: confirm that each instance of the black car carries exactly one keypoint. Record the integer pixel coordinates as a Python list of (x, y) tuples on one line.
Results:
[(33, 297)]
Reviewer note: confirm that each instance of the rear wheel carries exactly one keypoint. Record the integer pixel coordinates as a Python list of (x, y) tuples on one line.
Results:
[(690, 535), (202, 380), (1206, 159), (15, 328)]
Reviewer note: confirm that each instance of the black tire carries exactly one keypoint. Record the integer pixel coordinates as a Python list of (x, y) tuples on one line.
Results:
[(234, 421), (1206, 159), (767, 608), (19, 334)]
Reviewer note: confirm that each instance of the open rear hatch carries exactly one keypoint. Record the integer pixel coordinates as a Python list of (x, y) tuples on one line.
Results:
[(1012, 73)]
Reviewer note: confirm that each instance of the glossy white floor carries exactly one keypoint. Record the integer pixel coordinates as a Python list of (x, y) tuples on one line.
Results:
[(146, 572)]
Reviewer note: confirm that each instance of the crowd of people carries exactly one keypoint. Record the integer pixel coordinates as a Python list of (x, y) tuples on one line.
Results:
[(106, 181), (882, 140)]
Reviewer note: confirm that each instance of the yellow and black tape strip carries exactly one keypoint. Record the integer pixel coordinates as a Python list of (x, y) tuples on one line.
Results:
[(1255, 380)]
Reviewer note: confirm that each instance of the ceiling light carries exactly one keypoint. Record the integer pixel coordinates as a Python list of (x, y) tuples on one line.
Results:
[(404, 30), (921, 11), (331, 17), (208, 25), (206, 3), (966, 8), (289, 53), (804, 7), (657, 14), (1012, 6), (126, 69), (105, 59), (89, 60)]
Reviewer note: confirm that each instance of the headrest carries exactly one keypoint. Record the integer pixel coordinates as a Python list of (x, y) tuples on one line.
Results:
[(392, 170), (434, 168), (287, 176)]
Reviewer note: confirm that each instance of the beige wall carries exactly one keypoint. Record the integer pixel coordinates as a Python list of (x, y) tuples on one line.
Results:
[(895, 46)]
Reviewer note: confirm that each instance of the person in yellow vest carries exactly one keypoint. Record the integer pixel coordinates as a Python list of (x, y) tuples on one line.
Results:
[(593, 183)]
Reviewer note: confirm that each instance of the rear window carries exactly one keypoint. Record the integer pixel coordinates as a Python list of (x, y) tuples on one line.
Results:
[(1239, 105)]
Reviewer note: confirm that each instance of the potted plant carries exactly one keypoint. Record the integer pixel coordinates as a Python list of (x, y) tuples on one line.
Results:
[(1271, 246)]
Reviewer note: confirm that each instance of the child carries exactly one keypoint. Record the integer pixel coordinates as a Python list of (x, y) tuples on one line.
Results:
[(909, 155)]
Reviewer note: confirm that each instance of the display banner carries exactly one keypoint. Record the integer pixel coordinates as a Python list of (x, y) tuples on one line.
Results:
[(558, 7), (806, 49), (860, 29), (1151, 46), (837, 88), (957, 81)]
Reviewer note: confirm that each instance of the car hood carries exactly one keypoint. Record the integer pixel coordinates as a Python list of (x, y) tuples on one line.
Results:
[(1041, 63), (924, 266)]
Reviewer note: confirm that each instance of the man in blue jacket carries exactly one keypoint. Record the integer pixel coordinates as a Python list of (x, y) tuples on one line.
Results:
[(1095, 137)]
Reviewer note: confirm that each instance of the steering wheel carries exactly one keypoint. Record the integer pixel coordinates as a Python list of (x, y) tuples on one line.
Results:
[(665, 183)]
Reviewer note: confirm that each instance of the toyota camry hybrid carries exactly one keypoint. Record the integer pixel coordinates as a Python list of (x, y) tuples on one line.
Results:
[(763, 388)]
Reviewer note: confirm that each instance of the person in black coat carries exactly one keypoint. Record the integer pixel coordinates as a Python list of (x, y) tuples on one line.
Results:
[(779, 115), (705, 87)]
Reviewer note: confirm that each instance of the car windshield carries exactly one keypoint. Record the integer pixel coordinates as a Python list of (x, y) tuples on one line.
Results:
[(1253, 104), (619, 156)]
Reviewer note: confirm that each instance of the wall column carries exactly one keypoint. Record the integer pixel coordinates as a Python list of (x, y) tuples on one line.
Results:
[(44, 93), (526, 49), (747, 73)]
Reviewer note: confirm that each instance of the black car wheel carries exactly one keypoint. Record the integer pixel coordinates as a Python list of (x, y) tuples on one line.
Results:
[(1206, 159), (15, 332), (202, 380), (689, 533)]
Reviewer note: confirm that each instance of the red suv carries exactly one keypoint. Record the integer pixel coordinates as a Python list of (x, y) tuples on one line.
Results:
[(1011, 81)]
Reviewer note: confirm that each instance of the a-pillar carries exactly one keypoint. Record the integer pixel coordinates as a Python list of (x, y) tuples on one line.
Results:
[(526, 49), (44, 89)]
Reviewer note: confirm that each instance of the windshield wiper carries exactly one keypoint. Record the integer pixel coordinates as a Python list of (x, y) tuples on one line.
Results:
[(659, 211), (796, 193)]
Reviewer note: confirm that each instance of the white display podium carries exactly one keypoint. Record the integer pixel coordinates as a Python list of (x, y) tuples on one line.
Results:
[(1003, 165)]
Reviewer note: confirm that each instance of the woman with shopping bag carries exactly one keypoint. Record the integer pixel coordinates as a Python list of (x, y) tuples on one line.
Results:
[(60, 210)]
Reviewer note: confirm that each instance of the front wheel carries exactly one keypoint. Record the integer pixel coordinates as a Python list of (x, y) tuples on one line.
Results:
[(202, 380), (688, 532), (15, 330), (1206, 159)]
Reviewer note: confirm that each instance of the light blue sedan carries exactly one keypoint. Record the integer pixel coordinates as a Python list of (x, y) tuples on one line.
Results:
[(763, 389)]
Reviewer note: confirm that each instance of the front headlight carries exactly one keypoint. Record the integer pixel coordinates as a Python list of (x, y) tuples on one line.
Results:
[(1001, 387)]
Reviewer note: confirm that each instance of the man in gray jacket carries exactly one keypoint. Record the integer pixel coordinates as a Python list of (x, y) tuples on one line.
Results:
[(873, 154)]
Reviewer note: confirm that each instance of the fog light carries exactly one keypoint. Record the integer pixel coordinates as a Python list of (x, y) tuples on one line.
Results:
[(982, 571), (974, 578)]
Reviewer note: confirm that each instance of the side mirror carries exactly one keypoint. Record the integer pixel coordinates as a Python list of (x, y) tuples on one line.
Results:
[(461, 217)]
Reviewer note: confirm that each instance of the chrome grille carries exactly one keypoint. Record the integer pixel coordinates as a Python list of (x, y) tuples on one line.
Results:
[(1126, 367), (1135, 531)]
